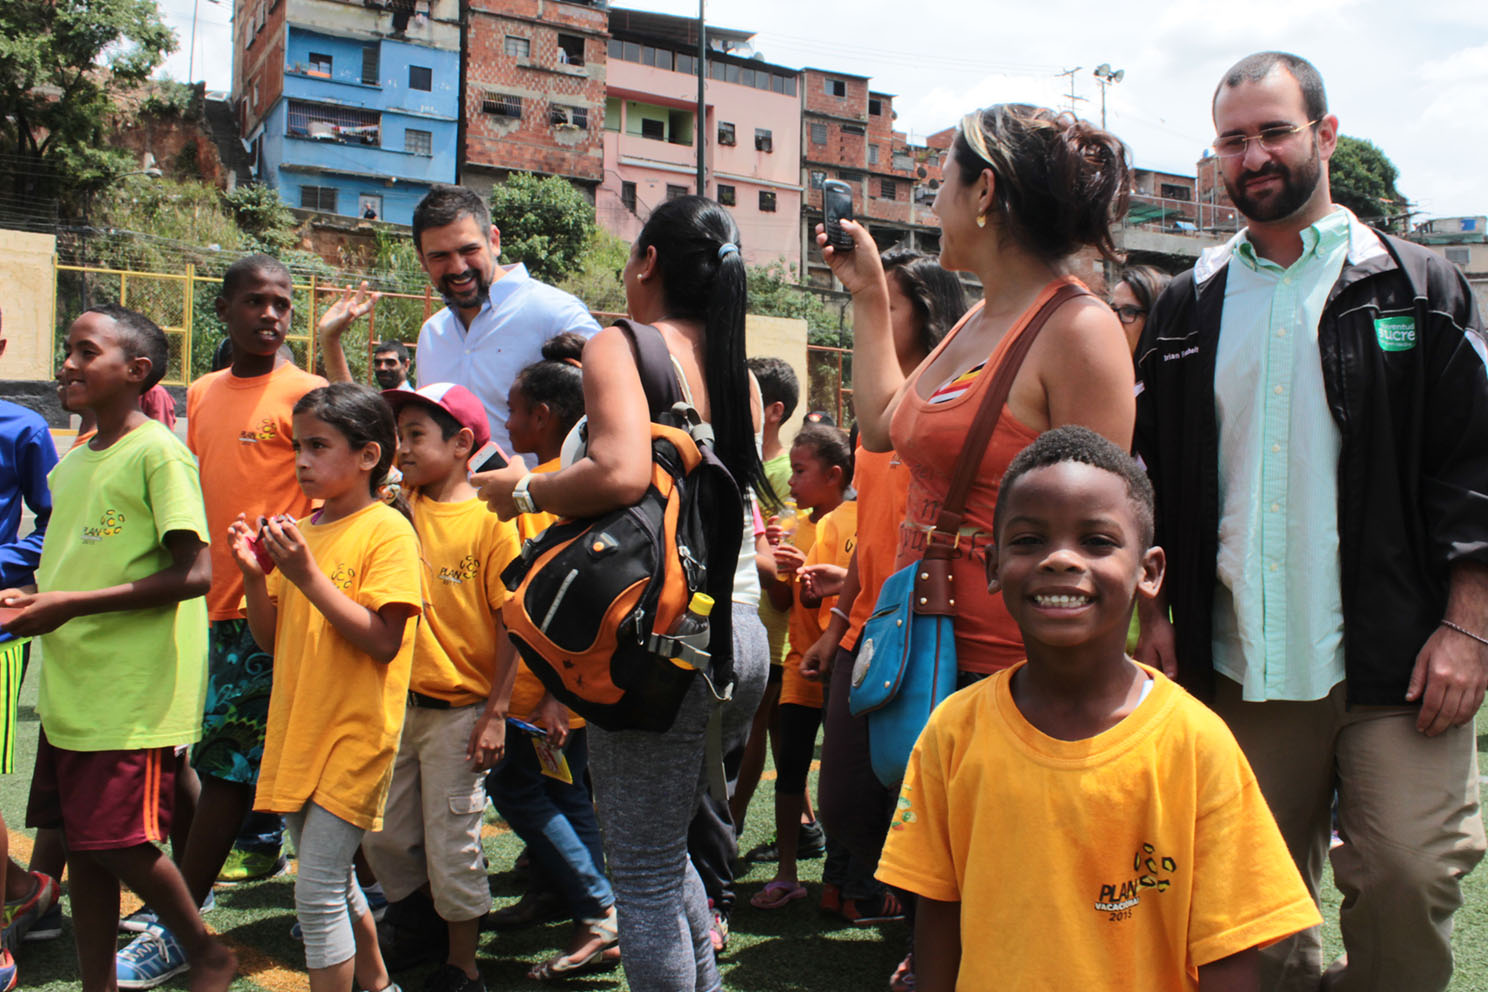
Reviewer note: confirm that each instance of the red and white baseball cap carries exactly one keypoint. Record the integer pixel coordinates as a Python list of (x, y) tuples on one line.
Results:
[(455, 400)]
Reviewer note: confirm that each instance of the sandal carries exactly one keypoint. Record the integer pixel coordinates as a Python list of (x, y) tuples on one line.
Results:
[(778, 894), (605, 929), (903, 978)]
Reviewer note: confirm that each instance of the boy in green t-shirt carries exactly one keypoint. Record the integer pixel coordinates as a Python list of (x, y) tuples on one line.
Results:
[(121, 619)]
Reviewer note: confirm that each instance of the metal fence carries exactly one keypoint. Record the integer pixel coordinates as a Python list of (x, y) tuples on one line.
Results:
[(829, 382)]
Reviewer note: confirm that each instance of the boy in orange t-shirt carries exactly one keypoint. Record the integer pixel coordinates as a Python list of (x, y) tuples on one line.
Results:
[(1084, 809), (239, 426)]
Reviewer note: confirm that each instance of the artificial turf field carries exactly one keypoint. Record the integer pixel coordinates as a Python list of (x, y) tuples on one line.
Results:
[(791, 948)]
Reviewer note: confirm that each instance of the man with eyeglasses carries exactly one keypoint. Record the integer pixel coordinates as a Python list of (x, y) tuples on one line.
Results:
[(1313, 411)]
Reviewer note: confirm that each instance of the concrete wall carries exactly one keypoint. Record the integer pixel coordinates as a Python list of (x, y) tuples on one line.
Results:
[(28, 299), (781, 337)]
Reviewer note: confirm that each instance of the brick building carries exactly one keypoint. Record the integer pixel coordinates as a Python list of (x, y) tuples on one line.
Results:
[(847, 133), (535, 91)]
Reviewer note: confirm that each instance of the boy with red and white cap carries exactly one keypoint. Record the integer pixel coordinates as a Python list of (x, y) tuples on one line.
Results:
[(462, 676)]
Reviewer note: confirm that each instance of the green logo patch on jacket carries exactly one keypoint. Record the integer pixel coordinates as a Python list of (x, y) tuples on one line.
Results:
[(1395, 333)]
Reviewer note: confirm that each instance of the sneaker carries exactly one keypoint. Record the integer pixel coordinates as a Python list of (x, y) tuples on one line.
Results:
[(248, 866), (143, 918), (48, 925), (151, 959), (7, 971), (448, 978), (23, 915)]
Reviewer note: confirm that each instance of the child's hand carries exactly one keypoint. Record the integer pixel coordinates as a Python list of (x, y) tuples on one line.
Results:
[(487, 743), (495, 487), (41, 612), (345, 311), (822, 580), (816, 661), (788, 560), (286, 545), (774, 533), (552, 716), (240, 538)]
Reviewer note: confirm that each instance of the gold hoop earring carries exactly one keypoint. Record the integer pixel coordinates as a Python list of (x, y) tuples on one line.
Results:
[(981, 220)]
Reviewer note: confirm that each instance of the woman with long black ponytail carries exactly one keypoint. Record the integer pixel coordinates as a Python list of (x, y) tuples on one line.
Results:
[(686, 277)]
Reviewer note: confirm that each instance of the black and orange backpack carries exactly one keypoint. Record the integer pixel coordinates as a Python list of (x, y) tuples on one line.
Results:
[(593, 601)]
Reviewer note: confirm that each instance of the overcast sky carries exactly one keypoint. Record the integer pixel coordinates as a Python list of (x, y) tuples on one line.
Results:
[(1411, 77)]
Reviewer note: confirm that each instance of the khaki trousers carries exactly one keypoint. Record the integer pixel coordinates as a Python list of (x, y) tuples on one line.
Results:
[(1409, 819)]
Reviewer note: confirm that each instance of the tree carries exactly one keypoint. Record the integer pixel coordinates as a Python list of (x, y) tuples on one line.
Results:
[(1362, 178), (597, 279), (545, 224), (773, 292), (60, 61)]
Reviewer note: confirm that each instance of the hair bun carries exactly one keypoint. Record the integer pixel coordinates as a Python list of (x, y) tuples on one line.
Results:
[(565, 347)]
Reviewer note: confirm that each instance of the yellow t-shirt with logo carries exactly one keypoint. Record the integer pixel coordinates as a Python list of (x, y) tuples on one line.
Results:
[(1125, 860), (833, 538), (131, 678), (528, 690), (465, 547), (335, 715)]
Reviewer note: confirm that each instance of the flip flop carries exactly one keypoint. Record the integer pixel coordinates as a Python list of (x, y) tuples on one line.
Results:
[(778, 894)]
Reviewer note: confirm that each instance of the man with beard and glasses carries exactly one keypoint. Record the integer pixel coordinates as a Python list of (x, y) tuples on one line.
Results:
[(1313, 412), (497, 316)]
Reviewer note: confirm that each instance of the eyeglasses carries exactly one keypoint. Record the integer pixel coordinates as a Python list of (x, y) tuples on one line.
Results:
[(1271, 138), (1126, 314)]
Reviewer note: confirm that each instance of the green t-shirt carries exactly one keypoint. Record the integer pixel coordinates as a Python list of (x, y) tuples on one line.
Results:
[(777, 622), (136, 678), (778, 471)]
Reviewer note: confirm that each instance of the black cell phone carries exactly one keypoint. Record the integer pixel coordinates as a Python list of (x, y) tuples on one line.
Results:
[(836, 208)]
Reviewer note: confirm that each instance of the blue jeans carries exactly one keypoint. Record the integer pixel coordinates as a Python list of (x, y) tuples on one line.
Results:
[(556, 821)]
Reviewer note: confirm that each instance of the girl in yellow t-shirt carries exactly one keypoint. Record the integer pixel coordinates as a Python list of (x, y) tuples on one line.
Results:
[(555, 819), (335, 608), (821, 469)]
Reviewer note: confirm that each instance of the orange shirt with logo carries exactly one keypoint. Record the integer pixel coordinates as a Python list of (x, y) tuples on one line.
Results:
[(241, 431)]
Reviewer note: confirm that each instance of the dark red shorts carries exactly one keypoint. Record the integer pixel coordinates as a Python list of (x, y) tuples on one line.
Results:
[(103, 800)]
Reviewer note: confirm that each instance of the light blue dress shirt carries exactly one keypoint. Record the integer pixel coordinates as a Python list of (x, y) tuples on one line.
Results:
[(1278, 609), (504, 338)]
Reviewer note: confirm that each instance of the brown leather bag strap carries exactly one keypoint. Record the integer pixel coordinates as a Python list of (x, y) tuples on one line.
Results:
[(942, 540)]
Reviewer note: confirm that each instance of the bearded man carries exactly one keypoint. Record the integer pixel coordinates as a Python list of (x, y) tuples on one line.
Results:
[(1313, 412)]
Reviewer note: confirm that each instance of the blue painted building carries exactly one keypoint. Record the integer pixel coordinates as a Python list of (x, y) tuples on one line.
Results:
[(364, 114)]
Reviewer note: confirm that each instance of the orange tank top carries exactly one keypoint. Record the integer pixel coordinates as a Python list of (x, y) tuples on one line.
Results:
[(929, 438)]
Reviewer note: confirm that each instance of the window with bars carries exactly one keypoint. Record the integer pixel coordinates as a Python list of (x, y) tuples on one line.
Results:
[(321, 198), (725, 195), (725, 133), (502, 105), (575, 116), (420, 77), (767, 201), (764, 140), (518, 47), (872, 154), (628, 195), (888, 189), (673, 192), (818, 179), (326, 122), (418, 142), (370, 62)]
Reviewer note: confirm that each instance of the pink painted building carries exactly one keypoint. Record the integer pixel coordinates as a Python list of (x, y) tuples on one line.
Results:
[(752, 131)]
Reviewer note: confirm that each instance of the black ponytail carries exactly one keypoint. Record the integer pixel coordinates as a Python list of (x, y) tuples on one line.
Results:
[(703, 278)]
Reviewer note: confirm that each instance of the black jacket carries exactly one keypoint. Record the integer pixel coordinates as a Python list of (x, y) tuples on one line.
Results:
[(1412, 471)]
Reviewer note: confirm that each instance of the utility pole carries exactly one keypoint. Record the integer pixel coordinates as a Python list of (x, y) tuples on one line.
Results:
[(700, 132), (1072, 97)]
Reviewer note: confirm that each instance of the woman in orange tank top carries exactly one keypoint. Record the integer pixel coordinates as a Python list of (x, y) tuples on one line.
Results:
[(1024, 188)]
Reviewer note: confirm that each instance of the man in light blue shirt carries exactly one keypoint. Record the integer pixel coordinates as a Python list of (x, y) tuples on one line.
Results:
[(497, 316), (1314, 416)]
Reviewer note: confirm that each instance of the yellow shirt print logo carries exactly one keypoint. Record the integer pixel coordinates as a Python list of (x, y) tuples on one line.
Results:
[(342, 575), (265, 431), (111, 523), (462, 573), (1150, 871)]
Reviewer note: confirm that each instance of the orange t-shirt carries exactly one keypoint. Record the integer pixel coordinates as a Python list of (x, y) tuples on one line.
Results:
[(241, 431), (883, 488), (528, 690), (836, 536), (929, 438)]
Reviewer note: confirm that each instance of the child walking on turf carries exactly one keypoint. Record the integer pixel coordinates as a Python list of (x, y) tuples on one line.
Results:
[(123, 626), (1082, 808), (821, 469), (339, 611)]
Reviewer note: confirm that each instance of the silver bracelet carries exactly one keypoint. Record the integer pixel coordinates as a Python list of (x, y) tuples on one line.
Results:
[(1464, 631), (837, 611)]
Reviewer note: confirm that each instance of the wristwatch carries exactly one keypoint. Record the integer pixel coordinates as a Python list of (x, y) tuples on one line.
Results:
[(521, 497)]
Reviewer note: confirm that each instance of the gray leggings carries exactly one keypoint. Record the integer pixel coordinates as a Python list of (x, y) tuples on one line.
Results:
[(646, 786), (327, 897)]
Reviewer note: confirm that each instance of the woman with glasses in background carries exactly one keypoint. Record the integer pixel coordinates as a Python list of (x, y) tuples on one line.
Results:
[(1132, 298)]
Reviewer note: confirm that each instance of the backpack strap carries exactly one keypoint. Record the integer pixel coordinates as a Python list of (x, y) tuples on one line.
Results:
[(654, 363)]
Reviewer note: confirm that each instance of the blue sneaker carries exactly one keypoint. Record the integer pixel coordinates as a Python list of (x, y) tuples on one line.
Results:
[(152, 958), (7, 971), (143, 918)]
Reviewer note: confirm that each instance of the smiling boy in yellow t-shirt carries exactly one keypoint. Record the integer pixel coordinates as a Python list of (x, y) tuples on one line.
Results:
[(1078, 820)]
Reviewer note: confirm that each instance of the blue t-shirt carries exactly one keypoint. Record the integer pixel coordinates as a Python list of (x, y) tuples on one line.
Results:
[(27, 454)]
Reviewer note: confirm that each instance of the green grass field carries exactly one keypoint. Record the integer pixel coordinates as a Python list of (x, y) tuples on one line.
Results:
[(793, 948)]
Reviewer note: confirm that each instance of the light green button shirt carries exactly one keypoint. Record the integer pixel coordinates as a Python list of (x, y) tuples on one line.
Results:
[(1278, 609)]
